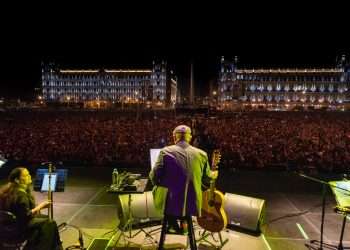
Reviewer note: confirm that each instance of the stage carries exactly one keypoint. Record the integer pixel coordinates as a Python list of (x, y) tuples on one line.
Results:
[(293, 210)]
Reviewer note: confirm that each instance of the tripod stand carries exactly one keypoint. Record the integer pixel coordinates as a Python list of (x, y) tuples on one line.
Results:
[(205, 235), (334, 187), (126, 231)]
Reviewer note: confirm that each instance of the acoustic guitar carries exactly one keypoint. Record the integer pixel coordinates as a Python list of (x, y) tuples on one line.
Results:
[(213, 216)]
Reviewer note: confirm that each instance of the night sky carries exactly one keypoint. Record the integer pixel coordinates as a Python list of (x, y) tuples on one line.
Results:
[(21, 73), (276, 36)]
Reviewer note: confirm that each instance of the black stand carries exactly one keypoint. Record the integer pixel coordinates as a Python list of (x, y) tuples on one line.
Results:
[(47, 185), (205, 235), (61, 177), (345, 213), (128, 225), (322, 244)]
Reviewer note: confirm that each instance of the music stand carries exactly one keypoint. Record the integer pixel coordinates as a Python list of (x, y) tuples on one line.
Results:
[(60, 183), (56, 178), (337, 189), (128, 225), (341, 191)]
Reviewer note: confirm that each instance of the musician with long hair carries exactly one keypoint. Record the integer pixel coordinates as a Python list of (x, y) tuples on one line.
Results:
[(16, 197)]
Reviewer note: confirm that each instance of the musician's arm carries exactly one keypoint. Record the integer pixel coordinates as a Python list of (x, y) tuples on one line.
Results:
[(39, 207)]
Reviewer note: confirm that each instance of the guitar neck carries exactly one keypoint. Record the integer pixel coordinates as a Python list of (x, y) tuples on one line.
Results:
[(213, 168)]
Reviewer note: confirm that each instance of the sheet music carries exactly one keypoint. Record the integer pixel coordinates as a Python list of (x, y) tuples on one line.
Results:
[(342, 197), (154, 153), (45, 184)]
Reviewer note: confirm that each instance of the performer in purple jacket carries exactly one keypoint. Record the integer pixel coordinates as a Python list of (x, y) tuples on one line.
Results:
[(180, 168)]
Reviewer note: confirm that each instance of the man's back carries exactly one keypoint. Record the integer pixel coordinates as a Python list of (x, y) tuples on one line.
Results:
[(180, 168)]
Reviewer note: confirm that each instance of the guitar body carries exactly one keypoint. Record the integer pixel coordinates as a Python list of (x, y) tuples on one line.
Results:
[(213, 216)]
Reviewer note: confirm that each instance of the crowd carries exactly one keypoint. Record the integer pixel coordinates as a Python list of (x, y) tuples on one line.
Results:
[(319, 140)]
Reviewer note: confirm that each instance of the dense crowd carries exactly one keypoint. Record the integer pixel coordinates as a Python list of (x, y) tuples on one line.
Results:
[(318, 140)]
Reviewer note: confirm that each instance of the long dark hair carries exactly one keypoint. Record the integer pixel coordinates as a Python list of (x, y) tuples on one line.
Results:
[(8, 192)]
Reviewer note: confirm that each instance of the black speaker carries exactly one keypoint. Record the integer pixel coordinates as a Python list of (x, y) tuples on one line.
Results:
[(244, 212), (141, 207)]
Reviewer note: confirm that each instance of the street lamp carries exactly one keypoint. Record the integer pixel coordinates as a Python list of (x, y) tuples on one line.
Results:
[(68, 100), (137, 105), (214, 97)]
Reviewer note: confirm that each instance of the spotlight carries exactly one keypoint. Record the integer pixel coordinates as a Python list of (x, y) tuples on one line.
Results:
[(2, 160)]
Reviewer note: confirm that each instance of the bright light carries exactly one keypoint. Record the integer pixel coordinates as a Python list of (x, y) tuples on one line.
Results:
[(252, 71), (79, 71), (127, 71)]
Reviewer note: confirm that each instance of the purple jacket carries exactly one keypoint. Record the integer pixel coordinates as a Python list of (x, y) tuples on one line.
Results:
[(180, 168)]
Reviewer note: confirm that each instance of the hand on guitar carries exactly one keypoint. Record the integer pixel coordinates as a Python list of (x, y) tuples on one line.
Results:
[(214, 174), (215, 159), (216, 156)]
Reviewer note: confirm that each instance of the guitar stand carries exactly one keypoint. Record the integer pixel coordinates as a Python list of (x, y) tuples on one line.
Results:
[(205, 235)]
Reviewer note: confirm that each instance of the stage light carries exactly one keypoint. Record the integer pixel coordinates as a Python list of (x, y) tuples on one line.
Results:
[(3, 160)]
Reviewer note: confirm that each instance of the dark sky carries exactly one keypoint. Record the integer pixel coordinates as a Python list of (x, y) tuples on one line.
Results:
[(21, 73), (271, 36)]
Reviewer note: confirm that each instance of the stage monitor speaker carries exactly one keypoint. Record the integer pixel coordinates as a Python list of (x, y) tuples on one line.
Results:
[(142, 209), (244, 211)]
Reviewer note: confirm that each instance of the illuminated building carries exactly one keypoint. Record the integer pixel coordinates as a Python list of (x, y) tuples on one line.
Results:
[(284, 88), (156, 87)]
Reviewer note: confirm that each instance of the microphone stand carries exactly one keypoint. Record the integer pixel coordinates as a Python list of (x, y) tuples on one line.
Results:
[(324, 191), (49, 194)]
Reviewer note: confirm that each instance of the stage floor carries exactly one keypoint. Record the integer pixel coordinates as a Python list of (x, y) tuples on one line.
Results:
[(293, 210)]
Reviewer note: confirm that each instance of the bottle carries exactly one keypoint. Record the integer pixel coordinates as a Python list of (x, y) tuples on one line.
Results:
[(115, 176), (184, 227)]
